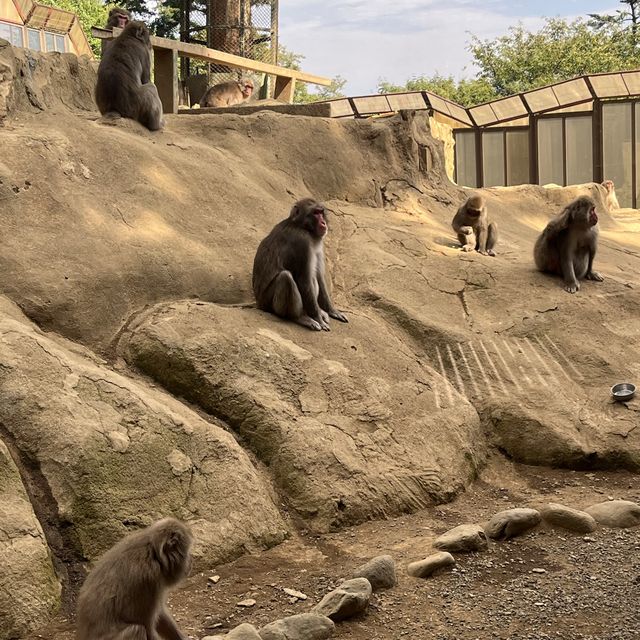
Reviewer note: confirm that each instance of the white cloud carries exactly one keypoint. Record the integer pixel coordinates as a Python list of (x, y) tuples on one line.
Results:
[(364, 41)]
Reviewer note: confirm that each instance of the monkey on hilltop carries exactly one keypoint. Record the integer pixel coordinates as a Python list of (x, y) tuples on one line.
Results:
[(568, 244), (123, 597), (226, 94), (124, 78), (471, 224), (611, 200), (288, 269)]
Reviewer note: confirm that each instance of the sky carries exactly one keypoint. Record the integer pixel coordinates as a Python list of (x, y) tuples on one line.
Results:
[(366, 40)]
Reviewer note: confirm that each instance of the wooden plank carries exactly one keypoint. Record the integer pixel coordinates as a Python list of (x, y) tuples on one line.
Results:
[(284, 89), (165, 64), (200, 52)]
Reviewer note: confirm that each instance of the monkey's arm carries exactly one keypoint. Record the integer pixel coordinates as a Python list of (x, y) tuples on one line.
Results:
[(568, 274), (591, 274), (325, 301), (167, 628), (482, 238)]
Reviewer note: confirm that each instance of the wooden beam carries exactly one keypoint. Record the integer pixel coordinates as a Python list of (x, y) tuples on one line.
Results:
[(165, 65), (200, 52), (284, 89)]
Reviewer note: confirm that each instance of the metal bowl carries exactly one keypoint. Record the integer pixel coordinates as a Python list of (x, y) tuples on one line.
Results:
[(623, 391)]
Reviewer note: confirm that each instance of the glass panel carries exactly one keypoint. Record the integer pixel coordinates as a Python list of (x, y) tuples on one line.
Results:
[(17, 39), (60, 43), (34, 39), (465, 151), (5, 31), (550, 161), (579, 149), (493, 159), (616, 149), (517, 157), (49, 42)]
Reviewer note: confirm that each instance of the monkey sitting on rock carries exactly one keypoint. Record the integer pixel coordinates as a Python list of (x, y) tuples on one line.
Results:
[(471, 224), (568, 244), (288, 270), (123, 598), (227, 94)]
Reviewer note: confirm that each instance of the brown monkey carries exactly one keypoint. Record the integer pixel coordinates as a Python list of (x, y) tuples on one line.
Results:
[(118, 17), (226, 94), (288, 270), (568, 244), (472, 225), (611, 199), (123, 598), (124, 78)]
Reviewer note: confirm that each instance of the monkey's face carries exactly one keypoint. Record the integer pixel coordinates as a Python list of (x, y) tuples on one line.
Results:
[(608, 185), (318, 219), (122, 20), (473, 212), (586, 215), (310, 215), (247, 89)]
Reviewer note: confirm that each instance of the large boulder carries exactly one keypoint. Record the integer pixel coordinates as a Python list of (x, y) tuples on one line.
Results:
[(29, 588), (347, 422), (110, 454)]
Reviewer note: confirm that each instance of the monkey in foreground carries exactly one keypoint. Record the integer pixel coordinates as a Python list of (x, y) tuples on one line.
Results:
[(611, 199), (123, 598), (226, 94), (118, 17), (472, 225), (124, 78), (288, 270), (568, 244)]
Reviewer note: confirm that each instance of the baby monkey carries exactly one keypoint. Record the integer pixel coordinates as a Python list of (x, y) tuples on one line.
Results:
[(473, 228)]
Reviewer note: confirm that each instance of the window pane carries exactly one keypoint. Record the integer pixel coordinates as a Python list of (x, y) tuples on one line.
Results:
[(5, 31), (550, 162), (578, 131), (616, 148), (16, 37), (49, 42), (60, 43), (493, 158), (34, 39), (466, 158), (517, 157)]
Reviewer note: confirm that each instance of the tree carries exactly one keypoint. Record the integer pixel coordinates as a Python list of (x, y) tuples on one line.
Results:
[(89, 12), (522, 60), (466, 92), (632, 15)]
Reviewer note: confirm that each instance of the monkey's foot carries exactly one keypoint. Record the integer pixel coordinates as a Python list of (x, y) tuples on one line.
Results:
[(325, 316), (572, 287), (310, 323), (491, 252), (595, 276), (338, 315), (468, 247)]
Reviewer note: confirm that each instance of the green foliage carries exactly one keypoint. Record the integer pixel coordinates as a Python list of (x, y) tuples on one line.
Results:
[(465, 92), (90, 13), (522, 60), (301, 94)]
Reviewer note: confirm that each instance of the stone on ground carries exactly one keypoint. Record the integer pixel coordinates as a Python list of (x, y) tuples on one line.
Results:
[(463, 538), (559, 515), (379, 571), (348, 600), (431, 565), (511, 523), (304, 626), (621, 514)]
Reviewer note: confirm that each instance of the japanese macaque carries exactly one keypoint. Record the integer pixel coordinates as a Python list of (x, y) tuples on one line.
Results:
[(124, 79), (288, 270), (611, 199), (568, 244), (118, 17), (226, 94), (473, 228), (123, 598)]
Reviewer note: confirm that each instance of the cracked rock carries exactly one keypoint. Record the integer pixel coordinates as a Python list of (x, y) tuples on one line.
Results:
[(349, 599), (511, 523)]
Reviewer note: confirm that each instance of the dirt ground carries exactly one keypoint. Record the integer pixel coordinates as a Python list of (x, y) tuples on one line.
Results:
[(589, 588)]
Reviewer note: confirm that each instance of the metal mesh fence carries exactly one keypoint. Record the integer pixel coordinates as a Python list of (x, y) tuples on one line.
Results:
[(247, 28)]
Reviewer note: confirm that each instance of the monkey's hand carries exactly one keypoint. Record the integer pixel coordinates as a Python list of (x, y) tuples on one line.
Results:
[(595, 276), (323, 325), (466, 230), (572, 287), (338, 315), (468, 247), (488, 252)]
